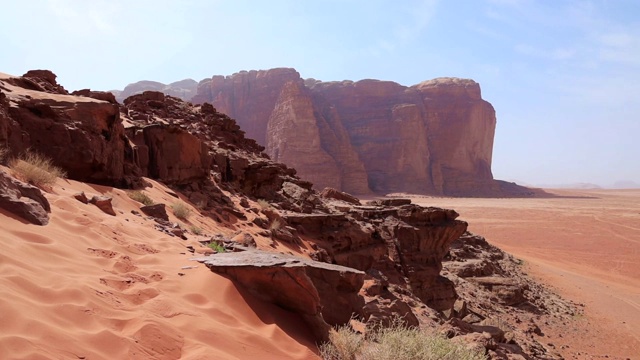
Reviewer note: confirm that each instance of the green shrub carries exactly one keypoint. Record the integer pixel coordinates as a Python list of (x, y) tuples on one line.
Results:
[(141, 197), (181, 210), (36, 169), (397, 342), (217, 247)]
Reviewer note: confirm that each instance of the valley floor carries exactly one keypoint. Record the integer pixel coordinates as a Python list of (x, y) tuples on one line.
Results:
[(585, 244)]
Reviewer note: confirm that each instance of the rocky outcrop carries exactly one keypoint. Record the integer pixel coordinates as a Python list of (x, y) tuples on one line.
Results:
[(435, 137), (184, 89), (323, 294), (378, 261), (23, 200), (82, 135)]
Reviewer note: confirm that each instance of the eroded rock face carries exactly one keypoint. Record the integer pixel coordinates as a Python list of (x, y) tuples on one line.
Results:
[(435, 137), (82, 135), (323, 294)]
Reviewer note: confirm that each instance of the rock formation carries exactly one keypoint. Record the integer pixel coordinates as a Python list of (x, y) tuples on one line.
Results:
[(324, 294), (378, 261), (23, 200), (184, 89), (435, 137)]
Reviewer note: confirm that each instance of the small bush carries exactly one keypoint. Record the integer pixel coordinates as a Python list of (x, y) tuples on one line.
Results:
[(36, 169), (217, 247), (141, 197), (195, 230), (181, 210), (276, 224), (264, 204), (343, 344), (394, 343)]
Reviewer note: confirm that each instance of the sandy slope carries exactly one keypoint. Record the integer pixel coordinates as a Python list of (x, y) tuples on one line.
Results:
[(587, 246), (95, 286)]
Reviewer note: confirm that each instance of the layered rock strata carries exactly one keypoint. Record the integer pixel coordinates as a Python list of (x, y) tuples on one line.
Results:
[(435, 137)]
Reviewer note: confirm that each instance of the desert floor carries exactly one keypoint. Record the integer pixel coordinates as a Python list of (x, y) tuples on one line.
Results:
[(585, 244), (95, 286)]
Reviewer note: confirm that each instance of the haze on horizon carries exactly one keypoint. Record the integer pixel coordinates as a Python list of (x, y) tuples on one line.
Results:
[(563, 76)]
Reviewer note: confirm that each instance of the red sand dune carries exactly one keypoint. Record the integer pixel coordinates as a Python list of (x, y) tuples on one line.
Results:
[(586, 246), (94, 286)]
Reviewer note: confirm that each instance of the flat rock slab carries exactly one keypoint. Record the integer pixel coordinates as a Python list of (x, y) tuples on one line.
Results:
[(258, 259), (322, 294)]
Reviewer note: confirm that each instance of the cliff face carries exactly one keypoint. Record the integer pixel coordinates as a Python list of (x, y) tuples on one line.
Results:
[(435, 137)]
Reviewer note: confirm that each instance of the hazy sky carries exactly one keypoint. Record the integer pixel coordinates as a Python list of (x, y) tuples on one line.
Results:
[(563, 76)]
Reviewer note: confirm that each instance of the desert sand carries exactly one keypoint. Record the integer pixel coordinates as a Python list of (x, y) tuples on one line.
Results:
[(94, 286), (585, 244)]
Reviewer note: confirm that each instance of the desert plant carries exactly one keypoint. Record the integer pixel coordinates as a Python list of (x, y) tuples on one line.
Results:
[(275, 225), (36, 169), (195, 230), (141, 197), (181, 210), (343, 344), (263, 204), (217, 247), (393, 343)]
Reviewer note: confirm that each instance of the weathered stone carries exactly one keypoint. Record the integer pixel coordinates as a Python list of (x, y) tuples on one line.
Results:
[(323, 294), (81, 197), (103, 203), (158, 211), (23, 200), (331, 193)]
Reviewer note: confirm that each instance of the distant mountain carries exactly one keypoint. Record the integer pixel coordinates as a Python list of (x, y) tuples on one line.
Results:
[(626, 184), (183, 89), (579, 185)]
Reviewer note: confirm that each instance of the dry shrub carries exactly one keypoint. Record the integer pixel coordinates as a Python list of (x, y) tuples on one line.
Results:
[(3, 153), (264, 204), (36, 169), (394, 343), (275, 225), (141, 197), (195, 230), (181, 210), (343, 344)]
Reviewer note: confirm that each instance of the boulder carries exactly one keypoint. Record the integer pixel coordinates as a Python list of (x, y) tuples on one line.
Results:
[(23, 200), (103, 203), (158, 211), (323, 294)]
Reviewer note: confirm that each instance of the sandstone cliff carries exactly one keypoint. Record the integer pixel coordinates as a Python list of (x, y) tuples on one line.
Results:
[(435, 137)]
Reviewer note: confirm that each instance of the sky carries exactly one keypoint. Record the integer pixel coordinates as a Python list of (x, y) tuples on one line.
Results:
[(563, 75)]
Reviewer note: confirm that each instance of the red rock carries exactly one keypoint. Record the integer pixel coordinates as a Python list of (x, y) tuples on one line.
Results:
[(331, 193), (158, 211), (83, 136), (23, 200), (323, 294), (103, 203), (435, 137)]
